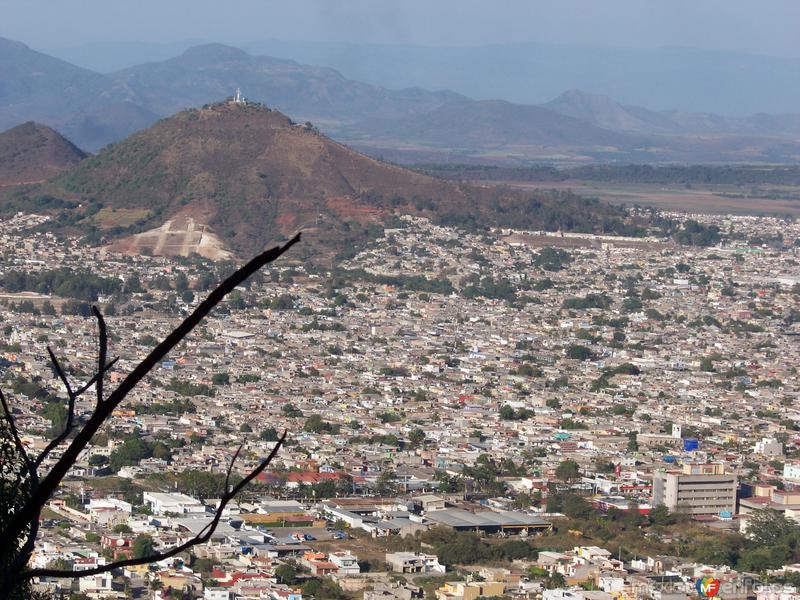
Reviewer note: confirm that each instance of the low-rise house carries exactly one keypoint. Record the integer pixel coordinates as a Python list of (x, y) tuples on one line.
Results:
[(346, 563), (412, 562)]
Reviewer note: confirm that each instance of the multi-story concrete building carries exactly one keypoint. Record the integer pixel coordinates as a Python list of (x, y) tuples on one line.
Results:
[(697, 489), (412, 562), (791, 470)]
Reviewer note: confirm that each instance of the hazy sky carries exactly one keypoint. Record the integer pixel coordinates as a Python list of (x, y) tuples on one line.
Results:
[(753, 26)]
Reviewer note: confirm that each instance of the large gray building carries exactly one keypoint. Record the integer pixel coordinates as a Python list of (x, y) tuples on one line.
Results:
[(697, 489)]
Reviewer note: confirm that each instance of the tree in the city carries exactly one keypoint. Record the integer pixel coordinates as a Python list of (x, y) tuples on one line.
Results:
[(25, 489)]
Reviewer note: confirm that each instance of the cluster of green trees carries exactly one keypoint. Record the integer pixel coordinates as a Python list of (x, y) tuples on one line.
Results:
[(693, 233), (290, 410), (507, 413), (485, 475), (526, 370), (17, 202), (578, 352), (497, 207), (186, 388), (248, 378), (172, 407), (466, 548), (80, 309), (569, 423), (409, 283), (389, 416), (386, 439), (221, 379), (135, 448), (394, 371), (604, 380), (491, 288), (416, 437), (316, 424), (270, 434), (317, 325), (61, 282), (322, 588), (326, 489), (552, 259), (280, 302), (590, 300), (204, 484), (567, 470), (772, 540), (32, 389), (28, 307)]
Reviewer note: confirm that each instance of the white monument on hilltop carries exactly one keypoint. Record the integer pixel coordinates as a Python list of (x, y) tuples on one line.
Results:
[(238, 98)]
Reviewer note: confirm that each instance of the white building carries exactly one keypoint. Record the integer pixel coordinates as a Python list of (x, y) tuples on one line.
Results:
[(179, 504), (96, 584), (791, 471), (345, 562), (412, 562), (697, 489)]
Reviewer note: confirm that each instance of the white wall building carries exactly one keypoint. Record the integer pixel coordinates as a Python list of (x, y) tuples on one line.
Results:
[(792, 471), (179, 504), (346, 563)]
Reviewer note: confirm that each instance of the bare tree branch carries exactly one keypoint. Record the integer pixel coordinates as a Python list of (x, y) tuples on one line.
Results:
[(33, 482), (32, 507), (17, 441), (94, 378), (203, 536), (102, 352), (70, 411), (72, 395), (230, 467)]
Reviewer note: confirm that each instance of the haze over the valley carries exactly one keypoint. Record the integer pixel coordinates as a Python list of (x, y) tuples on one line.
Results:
[(453, 82)]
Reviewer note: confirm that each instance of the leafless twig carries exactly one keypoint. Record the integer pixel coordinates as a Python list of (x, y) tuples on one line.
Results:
[(72, 396), (203, 536), (26, 519), (102, 352), (12, 426)]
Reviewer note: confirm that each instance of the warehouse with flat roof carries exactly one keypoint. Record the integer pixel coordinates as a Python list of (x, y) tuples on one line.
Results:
[(488, 521)]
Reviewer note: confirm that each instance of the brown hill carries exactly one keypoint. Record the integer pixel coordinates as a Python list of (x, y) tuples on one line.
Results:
[(32, 152), (237, 177)]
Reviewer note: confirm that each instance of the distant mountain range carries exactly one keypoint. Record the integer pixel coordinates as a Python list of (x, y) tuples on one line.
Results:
[(409, 125), (668, 78), (231, 178), (91, 109), (602, 111), (576, 127)]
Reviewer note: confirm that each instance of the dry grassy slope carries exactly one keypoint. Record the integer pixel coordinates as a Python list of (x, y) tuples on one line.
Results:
[(246, 171), (32, 152), (253, 177)]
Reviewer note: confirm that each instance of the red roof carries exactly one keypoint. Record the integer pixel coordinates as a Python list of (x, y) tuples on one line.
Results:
[(312, 477), (225, 579)]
